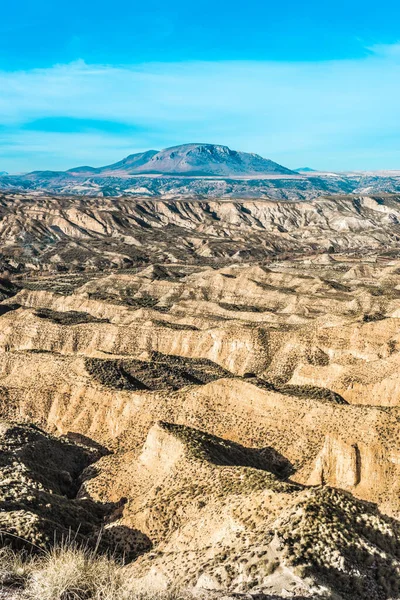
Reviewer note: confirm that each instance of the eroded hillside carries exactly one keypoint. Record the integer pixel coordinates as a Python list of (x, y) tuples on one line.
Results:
[(73, 234), (233, 428)]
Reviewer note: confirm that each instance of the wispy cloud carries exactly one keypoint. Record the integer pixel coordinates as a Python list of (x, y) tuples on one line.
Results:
[(337, 114)]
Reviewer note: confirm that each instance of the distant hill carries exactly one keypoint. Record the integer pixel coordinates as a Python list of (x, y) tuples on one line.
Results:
[(190, 160), (305, 170), (3, 173)]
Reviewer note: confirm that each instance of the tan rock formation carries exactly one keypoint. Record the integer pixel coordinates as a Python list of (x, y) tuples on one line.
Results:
[(252, 412)]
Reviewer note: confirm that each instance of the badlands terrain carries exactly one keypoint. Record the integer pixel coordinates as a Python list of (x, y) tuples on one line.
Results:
[(40, 232), (206, 389)]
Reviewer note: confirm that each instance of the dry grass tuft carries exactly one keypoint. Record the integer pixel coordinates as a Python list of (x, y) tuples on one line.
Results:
[(71, 573), (15, 568), (68, 572)]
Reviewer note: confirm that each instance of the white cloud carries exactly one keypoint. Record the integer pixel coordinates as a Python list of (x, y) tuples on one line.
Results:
[(296, 113)]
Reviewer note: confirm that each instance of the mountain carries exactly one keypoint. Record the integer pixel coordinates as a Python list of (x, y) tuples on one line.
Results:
[(305, 170), (190, 160), (3, 173), (206, 170)]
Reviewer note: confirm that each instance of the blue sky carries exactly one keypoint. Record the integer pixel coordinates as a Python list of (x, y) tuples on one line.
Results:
[(306, 84)]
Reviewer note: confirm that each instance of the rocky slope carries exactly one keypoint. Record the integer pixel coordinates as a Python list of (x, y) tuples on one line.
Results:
[(39, 481), (254, 530)]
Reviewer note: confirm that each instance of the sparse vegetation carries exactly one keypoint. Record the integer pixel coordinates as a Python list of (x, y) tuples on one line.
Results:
[(72, 573), (347, 543), (69, 572), (160, 372), (70, 317)]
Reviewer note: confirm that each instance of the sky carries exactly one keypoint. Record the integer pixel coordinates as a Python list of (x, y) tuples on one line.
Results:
[(307, 83)]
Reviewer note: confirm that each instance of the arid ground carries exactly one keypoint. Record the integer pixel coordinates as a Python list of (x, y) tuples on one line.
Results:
[(211, 388)]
